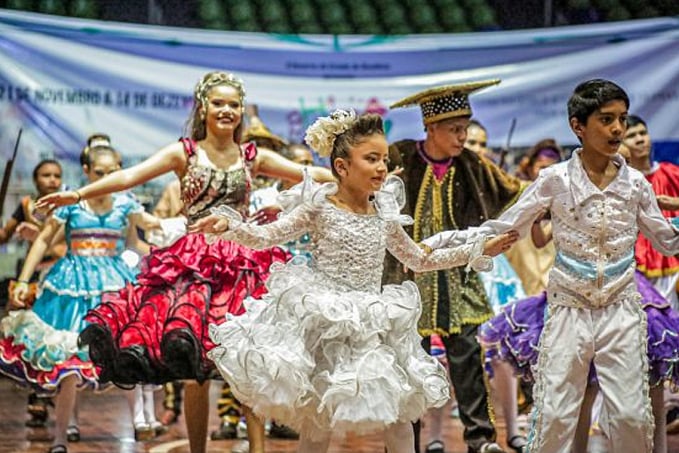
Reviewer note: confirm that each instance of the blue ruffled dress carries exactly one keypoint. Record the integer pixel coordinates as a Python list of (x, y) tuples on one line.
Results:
[(39, 346)]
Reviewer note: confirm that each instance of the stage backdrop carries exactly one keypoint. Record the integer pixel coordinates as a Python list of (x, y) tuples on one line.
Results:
[(62, 79)]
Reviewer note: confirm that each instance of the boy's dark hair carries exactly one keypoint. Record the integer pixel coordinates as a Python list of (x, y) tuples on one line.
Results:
[(634, 120), (366, 125), (589, 96), (41, 164)]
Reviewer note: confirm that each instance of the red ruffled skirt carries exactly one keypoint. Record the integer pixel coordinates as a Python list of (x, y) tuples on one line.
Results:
[(156, 331)]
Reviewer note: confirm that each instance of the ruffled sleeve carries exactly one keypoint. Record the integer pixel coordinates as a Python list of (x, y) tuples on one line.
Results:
[(299, 205), (307, 192), (249, 151), (391, 199)]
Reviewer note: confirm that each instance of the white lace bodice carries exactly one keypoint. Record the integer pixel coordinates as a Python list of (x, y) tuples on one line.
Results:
[(348, 249)]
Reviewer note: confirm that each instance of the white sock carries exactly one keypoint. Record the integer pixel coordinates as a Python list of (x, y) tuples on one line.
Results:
[(149, 405), (136, 403)]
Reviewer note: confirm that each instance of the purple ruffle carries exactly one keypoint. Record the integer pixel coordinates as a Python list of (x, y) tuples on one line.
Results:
[(513, 335)]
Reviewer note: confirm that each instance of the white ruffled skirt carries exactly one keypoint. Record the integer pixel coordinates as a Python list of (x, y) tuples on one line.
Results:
[(320, 358)]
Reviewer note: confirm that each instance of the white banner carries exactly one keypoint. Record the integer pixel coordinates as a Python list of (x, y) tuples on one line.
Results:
[(62, 79)]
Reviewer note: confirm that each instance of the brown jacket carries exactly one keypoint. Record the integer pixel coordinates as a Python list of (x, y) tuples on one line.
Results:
[(472, 191)]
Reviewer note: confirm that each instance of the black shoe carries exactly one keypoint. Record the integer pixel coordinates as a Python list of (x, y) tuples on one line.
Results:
[(57, 449), (435, 447), (672, 421), (225, 431), (37, 409), (282, 432), (37, 420), (159, 429), (143, 432)]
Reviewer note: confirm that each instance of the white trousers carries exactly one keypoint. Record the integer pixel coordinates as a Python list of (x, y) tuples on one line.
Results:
[(614, 339)]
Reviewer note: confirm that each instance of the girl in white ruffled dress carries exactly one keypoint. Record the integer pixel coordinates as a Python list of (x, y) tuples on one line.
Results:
[(329, 350)]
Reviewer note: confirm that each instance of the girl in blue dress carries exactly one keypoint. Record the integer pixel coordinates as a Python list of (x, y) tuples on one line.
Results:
[(39, 346)]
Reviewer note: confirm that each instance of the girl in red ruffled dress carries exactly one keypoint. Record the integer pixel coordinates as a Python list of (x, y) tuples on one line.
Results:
[(157, 330)]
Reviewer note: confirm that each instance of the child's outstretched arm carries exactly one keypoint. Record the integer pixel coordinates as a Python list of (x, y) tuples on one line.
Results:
[(40, 246), (519, 217), (470, 249), (660, 231), (228, 224), (668, 203)]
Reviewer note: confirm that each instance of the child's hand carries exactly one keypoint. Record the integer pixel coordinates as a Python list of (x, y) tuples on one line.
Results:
[(396, 171), (27, 231), (668, 203), (19, 295), (212, 224), (500, 244), (266, 215), (54, 200)]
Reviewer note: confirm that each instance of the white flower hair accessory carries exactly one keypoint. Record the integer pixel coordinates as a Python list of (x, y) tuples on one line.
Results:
[(322, 134)]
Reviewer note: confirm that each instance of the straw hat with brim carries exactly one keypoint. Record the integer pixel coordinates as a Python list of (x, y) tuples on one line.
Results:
[(257, 130)]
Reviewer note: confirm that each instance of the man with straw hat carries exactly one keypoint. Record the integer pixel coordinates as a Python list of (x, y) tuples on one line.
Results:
[(450, 187)]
